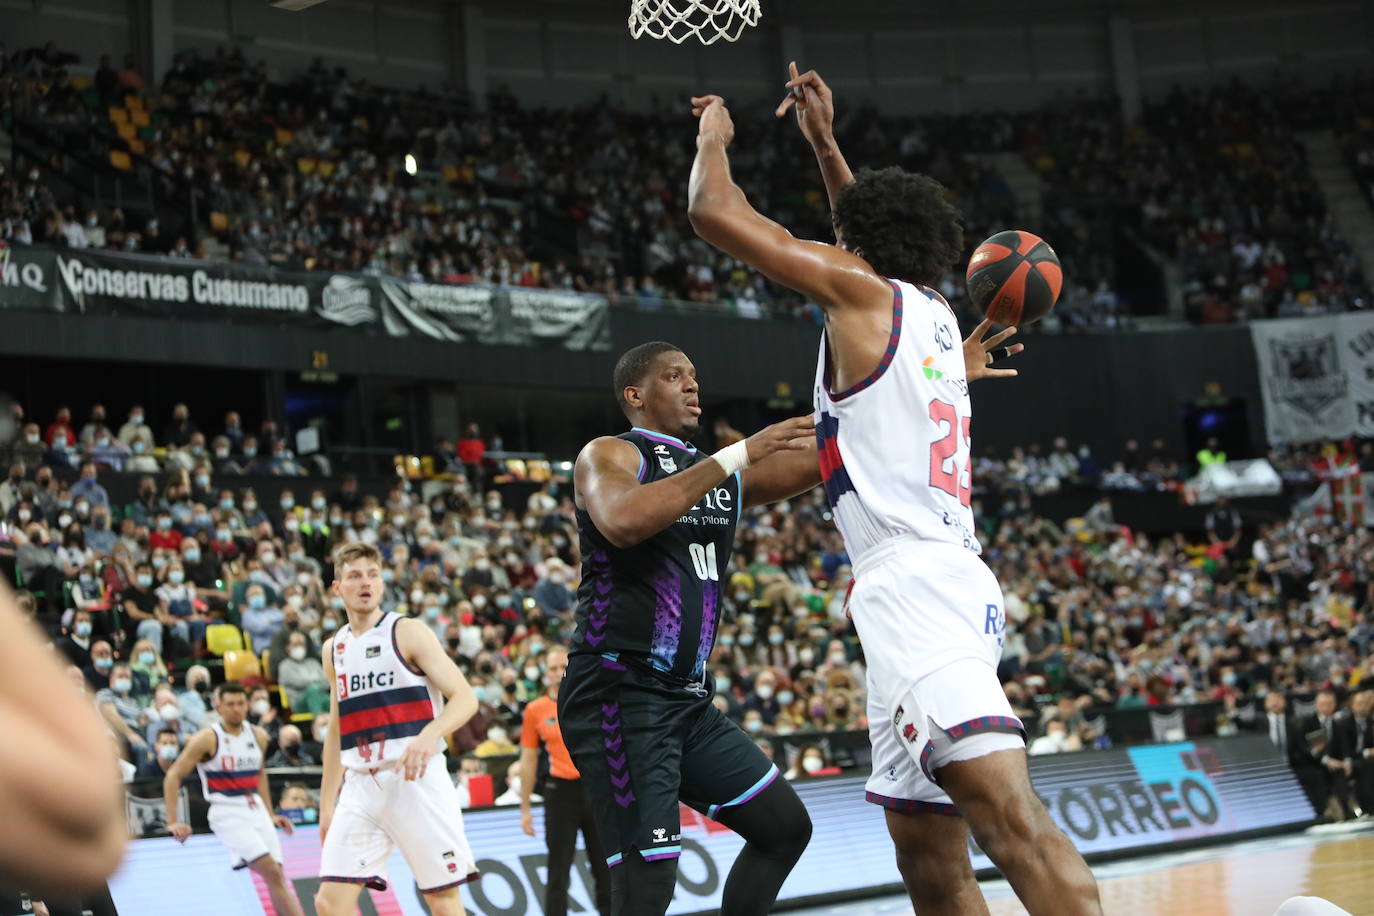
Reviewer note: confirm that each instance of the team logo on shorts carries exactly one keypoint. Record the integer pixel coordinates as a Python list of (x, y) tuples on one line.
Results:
[(453, 868), (449, 854), (910, 733), (660, 835), (897, 719), (372, 652)]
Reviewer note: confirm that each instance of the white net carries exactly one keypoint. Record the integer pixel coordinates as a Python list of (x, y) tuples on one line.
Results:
[(678, 20)]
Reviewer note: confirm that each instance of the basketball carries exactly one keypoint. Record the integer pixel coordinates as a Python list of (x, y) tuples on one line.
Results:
[(1014, 278)]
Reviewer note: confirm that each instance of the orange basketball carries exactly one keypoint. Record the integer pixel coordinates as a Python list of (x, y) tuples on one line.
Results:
[(1014, 278)]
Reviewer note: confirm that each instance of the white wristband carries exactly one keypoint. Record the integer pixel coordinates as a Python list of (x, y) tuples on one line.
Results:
[(733, 458)]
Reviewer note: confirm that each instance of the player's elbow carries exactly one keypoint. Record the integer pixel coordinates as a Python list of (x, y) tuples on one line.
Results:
[(708, 216)]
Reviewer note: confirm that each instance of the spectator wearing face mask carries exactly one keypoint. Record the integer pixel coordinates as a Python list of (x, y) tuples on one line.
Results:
[(319, 728), (263, 713), (99, 534), (512, 794), (474, 731), (97, 673), (9, 490), (302, 676), (121, 710), (290, 750), (552, 591), (164, 713), (144, 659), (144, 613), (136, 430), (146, 506), (195, 700), (180, 429), (164, 534), (762, 698), (260, 620), (30, 448), (296, 805), (105, 451), (76, 645), (89, 488), (178, 600), (811, 763), (166, 747)]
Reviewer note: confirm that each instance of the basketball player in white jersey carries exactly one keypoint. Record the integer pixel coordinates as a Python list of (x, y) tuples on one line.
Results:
[(396, 695), (229, 756), (893, 423)]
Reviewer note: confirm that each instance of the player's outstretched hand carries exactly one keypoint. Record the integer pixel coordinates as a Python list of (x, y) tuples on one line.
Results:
[(283, 822), (812, 99), (794, 435), (181, 831), (979, 353), (714, 118)]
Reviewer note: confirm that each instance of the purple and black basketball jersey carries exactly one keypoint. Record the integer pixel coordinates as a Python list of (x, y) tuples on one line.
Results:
[(659, 601)]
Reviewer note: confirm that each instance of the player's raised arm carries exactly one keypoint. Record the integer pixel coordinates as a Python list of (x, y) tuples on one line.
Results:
[(627, 512), (723, 216), (420, 648), (814, 104), (201, 746)]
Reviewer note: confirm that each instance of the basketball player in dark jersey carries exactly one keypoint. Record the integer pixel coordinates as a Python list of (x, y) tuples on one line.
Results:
[(657, 524)]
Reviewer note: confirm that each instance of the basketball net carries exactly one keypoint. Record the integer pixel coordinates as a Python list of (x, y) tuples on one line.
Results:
[(678, 20)]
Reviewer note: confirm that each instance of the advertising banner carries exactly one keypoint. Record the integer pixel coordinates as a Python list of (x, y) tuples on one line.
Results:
[(86, 281), (1108, 802), (1317, 376)]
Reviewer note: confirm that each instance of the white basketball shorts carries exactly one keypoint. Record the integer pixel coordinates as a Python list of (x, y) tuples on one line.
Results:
[(246, 831), (381, 810), (930, 616)]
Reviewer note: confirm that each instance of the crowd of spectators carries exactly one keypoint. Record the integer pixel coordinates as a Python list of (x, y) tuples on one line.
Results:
[(1098, 616)]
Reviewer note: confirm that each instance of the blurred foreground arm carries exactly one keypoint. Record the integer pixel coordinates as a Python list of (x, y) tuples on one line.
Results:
[(64, 808)]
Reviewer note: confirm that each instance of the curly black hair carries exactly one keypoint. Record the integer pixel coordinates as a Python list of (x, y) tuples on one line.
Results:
[(901, 223)]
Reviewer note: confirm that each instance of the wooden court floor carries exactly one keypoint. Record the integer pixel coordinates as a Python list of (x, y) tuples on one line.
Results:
[(1248, 882), (1243, 879)]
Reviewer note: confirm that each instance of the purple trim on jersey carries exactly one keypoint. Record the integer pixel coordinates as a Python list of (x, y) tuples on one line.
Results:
[(396, 647), (710, 598), (667, 617), (594, 629), (890, 354), (643, 466), (665, 439), (613, 861), (617, 757), (987, 723), (443, 887), (911, 805), (748, 794)]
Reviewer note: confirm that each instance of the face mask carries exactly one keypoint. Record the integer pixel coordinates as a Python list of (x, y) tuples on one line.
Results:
[(169, 712), (223, 534), (497, 735), (479, 601), (806, 656), (837, 660), (297, 653), (250, 506), (123, 685), (398, 520), (167, 752), (727, 640), (144, 580), (329, 625), (417, 596), (146, 659), (250, 451), (337, 603), (176, 577), (754, 726), (257, 602), (785, 697), (485, 564), (260, 708), (198, 450), (268, 557), (136, 419), (432, 612), (1229, 678), (222, 453), (531, 672), (164, 523), (191, 556), (811, 764), (287, 504), (746, 639), (103, 664), (63, 521), (83, 629), (295, 601), (480, 692), (25, 515), (318, 503), (764, 691), (31, 438), (201, 480), (775, 639)]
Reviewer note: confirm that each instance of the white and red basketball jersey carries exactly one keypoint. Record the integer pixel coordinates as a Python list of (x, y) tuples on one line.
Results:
[(230, 777), (383, 702), (894, 448)]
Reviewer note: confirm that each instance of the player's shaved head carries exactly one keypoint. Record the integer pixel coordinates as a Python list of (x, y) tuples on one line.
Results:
[(635, 365)]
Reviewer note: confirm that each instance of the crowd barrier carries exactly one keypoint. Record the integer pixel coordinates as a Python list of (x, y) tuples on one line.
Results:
[(1110, 803)]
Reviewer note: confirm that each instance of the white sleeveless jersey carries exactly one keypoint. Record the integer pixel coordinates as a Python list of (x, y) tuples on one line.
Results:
[(894, 448), (231, 775), (383, 702)]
